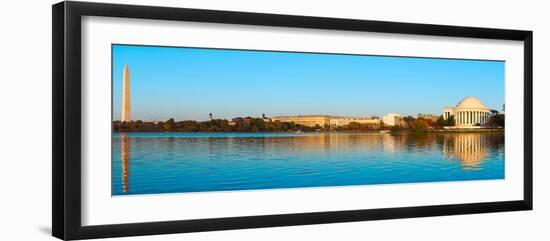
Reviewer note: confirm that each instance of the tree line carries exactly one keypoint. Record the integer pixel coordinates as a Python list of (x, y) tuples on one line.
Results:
[(249, 124), (216, 125)]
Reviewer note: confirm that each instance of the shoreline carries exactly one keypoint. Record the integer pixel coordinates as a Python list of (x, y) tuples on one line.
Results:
[(325, 132), (469, 130)]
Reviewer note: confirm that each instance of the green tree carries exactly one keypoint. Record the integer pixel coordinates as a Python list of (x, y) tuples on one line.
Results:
[(441, 122), (451, 121), (500, 120), (396, 128), (257, 124), (409, 120), (169, 124), (419, 126), (355, 126), (188, 125), (448, 122), (496, 121)]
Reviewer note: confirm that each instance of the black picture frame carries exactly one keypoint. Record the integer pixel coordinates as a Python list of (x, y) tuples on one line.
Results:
[(66, 158)]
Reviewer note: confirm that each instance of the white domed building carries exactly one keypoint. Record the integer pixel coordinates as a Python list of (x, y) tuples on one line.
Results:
[(468, 113)]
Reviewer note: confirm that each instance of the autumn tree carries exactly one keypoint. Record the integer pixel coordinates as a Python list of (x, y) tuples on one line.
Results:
[(419, 125)]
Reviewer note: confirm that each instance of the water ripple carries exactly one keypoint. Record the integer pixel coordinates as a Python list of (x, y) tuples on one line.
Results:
[(195, 162)]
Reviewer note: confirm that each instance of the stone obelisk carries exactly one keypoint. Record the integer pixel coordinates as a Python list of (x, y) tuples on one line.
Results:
[(126, 114)]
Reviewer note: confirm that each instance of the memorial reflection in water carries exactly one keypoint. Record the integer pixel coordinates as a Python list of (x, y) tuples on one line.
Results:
[(471, 149)]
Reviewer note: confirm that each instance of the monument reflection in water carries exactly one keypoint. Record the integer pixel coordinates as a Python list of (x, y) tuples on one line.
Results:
[(125, 155), (196, 162)]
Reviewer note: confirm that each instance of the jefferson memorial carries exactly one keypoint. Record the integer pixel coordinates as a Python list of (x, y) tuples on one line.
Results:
[(469, 113)]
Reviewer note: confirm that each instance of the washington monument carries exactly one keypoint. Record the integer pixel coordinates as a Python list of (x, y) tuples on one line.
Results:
[(126, 114)]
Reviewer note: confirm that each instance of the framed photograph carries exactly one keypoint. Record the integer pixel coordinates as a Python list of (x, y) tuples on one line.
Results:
[(169, 120)]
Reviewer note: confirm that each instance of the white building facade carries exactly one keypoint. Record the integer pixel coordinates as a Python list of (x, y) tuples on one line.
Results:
[(391, 119), (468, 113), (326, 120), (342, 121)]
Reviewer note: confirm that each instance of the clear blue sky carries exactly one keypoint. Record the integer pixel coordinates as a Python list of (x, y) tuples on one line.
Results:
[(189, 83)]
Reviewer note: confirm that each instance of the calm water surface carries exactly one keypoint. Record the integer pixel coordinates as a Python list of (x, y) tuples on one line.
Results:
[(146, 163)]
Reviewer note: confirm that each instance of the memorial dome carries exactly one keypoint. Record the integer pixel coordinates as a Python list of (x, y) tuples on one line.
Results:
[(471, 102)]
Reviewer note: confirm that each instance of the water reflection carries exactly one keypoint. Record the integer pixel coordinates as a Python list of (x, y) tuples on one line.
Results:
[(125, 146), (471, 149), (191, 162)]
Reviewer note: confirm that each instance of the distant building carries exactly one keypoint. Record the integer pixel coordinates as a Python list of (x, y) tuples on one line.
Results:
[(325, 120), (305, 120), (239, 121), (210, 117), (430, 117), (468, 113), (342, 121), (391, 119)]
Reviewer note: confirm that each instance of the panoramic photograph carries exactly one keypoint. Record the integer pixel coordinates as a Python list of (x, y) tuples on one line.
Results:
[(188, 119)]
